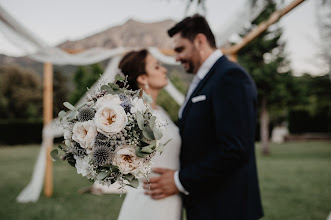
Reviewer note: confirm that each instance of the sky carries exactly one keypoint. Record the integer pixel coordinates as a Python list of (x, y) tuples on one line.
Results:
[(60, 20)]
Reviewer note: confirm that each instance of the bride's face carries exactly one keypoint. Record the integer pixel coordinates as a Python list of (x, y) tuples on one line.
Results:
[(156, 76)]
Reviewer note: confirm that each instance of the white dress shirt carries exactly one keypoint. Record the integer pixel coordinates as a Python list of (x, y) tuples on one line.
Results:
[(202, 72)]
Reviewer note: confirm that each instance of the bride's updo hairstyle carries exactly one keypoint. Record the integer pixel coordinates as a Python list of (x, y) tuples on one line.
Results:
[(133, 65)]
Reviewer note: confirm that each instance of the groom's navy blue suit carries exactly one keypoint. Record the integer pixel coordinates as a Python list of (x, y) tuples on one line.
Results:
[(218, 166)]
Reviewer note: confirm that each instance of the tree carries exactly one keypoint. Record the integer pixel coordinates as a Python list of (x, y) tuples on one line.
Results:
[(320, 87), (20, 93), (84, 78), (314, 114), (264, 58)]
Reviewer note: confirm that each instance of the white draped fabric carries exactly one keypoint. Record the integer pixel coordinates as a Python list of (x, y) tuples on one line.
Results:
[(39, 50), (32, 191)]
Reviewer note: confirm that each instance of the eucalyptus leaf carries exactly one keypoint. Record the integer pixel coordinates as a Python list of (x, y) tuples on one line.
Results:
[(114, 86), (107, 88), (63, 149), (55, 154), (104, 87), (102, 175), (61, 114), (108, 165), (144, 142), (152, 122), (160, 148), (146, 150), (134, 183), (72, 115), (117, 92), (140, 120), (69, 106), (157, 133), (129, 177), (148, 133), (151, 146), (121, 90), (139, 153), (119, 78), (113, 168)]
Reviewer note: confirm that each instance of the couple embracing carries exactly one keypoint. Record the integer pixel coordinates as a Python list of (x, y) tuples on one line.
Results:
[(209, 167)]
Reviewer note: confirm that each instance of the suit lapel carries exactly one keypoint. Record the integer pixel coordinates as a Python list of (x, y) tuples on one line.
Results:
[(200, 86)]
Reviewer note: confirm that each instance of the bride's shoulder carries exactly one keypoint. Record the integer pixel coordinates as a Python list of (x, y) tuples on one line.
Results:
[(163, 114)]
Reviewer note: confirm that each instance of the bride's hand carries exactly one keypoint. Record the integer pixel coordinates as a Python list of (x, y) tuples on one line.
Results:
[(162, 186)]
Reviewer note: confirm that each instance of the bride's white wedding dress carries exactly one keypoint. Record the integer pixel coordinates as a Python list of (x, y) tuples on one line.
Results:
[(139, 206)]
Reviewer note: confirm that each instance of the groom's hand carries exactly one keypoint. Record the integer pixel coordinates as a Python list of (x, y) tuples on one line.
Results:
[(162, 186)]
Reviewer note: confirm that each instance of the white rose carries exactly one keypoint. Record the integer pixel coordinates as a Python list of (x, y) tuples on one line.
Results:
[(127, 161), (138, 105), (84, 133), (83, 167), (110, 119), (109, 98)]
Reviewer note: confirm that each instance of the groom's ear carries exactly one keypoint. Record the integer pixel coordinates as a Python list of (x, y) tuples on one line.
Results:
[(199, 41)]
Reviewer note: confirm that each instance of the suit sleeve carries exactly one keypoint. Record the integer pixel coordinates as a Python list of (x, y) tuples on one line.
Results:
[(233, 104)]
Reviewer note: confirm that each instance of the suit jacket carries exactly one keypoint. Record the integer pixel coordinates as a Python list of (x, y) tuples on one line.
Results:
[(218, 166)]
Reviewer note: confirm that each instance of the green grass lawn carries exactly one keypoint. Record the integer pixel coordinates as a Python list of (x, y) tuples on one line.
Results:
[(295, 181), (295, 184)]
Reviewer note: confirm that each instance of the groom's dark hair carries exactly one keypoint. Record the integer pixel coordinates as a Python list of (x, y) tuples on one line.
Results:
[(191, 26)]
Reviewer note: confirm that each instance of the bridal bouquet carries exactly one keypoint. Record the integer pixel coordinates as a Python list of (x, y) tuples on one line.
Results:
[(112, 137)]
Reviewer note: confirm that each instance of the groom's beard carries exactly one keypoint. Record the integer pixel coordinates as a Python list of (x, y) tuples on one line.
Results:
[(192, 64), (188, 66)]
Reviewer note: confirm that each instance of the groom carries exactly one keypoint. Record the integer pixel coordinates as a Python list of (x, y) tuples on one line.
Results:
[(218, 177)]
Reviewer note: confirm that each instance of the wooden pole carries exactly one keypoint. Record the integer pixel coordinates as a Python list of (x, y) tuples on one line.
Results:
[(48, 115), (232, 57), (274, 17)]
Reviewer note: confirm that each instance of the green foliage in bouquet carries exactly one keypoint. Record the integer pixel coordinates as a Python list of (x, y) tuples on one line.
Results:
[(113, 136)]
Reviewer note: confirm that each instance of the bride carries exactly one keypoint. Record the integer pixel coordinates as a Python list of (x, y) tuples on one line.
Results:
[(144, 72)]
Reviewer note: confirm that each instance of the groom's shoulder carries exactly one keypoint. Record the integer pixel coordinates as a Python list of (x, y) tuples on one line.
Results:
[(226, 68)]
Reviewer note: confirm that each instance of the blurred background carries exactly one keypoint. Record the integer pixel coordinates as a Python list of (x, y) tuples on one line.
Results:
[(290, 63)]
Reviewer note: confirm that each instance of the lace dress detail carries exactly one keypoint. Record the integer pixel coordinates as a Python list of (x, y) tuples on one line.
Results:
[(137, 205)]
